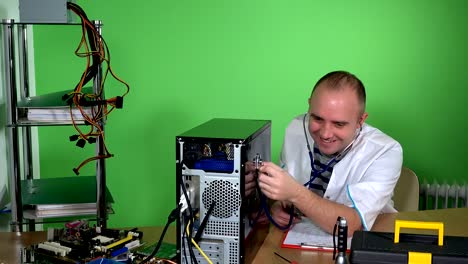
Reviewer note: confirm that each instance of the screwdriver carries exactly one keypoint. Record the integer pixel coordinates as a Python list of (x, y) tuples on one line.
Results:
[(289, 261)]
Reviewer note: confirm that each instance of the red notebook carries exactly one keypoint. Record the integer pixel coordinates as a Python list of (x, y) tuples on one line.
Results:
[(308, 236)]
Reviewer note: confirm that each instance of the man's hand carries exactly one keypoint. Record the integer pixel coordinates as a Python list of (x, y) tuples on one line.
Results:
[(276, 183), (250, 178), (281, 213)]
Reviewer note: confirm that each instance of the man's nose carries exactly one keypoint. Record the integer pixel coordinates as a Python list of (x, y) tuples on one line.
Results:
[(326, 131)]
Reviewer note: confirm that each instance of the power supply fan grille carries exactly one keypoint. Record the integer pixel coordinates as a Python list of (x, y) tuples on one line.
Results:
[(226, 197)]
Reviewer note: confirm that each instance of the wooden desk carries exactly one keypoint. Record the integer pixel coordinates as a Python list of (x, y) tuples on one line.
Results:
[(456, 224)]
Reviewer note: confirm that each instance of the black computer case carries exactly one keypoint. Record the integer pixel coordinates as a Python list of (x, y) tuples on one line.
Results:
[(212, 162)]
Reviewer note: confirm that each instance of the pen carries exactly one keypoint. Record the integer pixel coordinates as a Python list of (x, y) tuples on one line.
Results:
[(289, 261)]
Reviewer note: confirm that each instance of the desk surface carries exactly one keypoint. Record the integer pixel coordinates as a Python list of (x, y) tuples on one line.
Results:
[(456, 224)]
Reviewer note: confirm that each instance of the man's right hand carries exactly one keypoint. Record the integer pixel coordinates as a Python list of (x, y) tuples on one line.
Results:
[(280, 212)]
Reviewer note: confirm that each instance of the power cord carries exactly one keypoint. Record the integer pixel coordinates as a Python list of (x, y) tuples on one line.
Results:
[(189, 215), (204, 222), (172, 217)]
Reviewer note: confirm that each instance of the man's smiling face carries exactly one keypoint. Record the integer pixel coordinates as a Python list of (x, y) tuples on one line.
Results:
[(335, 117)]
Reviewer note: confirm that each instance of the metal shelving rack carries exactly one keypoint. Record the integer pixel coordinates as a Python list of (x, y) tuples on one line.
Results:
[(19, 132)]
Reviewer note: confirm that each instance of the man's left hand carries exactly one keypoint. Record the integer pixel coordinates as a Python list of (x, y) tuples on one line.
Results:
[(276, 183)]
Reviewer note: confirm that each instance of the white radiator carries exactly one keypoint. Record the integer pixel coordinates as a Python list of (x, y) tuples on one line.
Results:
[(438, 196)]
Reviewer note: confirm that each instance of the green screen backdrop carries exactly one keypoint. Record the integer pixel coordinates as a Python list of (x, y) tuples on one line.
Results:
[(189, 61)]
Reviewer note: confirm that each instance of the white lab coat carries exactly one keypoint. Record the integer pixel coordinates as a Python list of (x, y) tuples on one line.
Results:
[(364, 179)]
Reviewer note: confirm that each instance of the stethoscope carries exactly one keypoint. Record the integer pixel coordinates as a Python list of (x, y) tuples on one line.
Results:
[(314, 173)]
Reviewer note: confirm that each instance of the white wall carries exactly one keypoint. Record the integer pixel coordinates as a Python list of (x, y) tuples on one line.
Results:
[(9, 10)]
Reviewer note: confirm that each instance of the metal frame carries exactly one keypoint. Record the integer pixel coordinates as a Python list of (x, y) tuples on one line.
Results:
[(12, 129), (15, 172)]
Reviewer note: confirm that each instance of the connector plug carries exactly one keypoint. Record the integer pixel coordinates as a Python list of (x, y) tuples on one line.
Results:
[(119, 102), (74, 137), (174, 214), (84, 102), (81, 143), (68, 99), (183, 203)]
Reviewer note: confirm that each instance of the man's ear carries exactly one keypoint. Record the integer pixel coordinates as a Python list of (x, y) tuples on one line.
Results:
[(363, 118)]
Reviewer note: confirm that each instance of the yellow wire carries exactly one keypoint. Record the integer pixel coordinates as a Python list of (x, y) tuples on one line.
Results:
[(196, 245), (201, 251)]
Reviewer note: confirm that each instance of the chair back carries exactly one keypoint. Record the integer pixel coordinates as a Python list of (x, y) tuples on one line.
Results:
[(406, 193)]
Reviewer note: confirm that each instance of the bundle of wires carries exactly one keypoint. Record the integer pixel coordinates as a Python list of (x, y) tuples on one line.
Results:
[(95, 49), (189, 220)]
